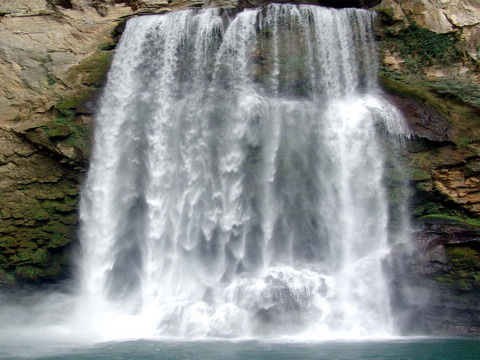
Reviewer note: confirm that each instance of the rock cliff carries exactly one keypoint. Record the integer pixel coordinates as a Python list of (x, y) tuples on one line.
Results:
[(430, 54), (54, 55)]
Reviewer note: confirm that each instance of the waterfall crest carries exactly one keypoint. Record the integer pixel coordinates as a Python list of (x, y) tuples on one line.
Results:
[(236, 182)]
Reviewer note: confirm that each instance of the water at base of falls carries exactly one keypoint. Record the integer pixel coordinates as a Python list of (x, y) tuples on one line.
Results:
[(236, 186)]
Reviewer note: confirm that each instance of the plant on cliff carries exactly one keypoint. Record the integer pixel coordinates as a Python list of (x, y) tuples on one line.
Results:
[(464, 91), (455, 99), (67, 128), (93, 69), (458, 218), (421, 47), (464, 273)]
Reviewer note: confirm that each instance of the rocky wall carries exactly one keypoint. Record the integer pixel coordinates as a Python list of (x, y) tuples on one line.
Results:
[(53, 58), (430, 70)]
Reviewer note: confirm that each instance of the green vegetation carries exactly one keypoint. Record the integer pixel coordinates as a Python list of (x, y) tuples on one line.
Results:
[(421, 47), (66, 106), (71, 132), (388, 13), (429, 205), (455, 97), (6, 278), (463, 142), (39, 217), (459, 103), (28, 272), (464, 275), (456, 101), (410, 86), (66, 128), (458, 218), (35, 222), (450, 88), (418, 175), (107, 46), (395, 180), (93, 69)]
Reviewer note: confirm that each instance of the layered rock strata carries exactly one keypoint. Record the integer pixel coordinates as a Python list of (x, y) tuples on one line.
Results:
[(430, 53)]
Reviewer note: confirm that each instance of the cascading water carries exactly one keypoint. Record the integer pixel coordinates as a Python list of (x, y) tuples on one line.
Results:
[(236, 183)]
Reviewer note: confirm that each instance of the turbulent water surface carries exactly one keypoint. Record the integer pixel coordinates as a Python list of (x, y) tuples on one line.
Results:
[(236, 189)]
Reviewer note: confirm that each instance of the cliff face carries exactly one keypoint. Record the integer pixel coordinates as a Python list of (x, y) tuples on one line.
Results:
[(54, 55), (430, 52)]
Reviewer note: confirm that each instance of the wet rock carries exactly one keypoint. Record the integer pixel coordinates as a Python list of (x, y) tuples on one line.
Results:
[(435, 281)]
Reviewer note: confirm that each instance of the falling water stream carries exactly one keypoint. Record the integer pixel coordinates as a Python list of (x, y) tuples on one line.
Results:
[(236, 186), (236, 183)]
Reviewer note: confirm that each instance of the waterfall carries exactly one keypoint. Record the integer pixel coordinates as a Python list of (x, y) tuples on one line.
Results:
[(236, 183)]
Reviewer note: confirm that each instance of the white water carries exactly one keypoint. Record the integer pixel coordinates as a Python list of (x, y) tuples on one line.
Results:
[(236, 182)]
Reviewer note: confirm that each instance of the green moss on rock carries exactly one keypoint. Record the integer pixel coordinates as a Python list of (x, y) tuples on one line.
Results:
[(454, 219), (66, 106), (41, 215), (44, 224), (29, 273), (387, 12), (107, 46), (8, 242), (418, 175), (67, 130), (461, 90), (421, 47), (61, 131), (93, 69), (397, 83), (460, 110), (464, 274), (464, 257)]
